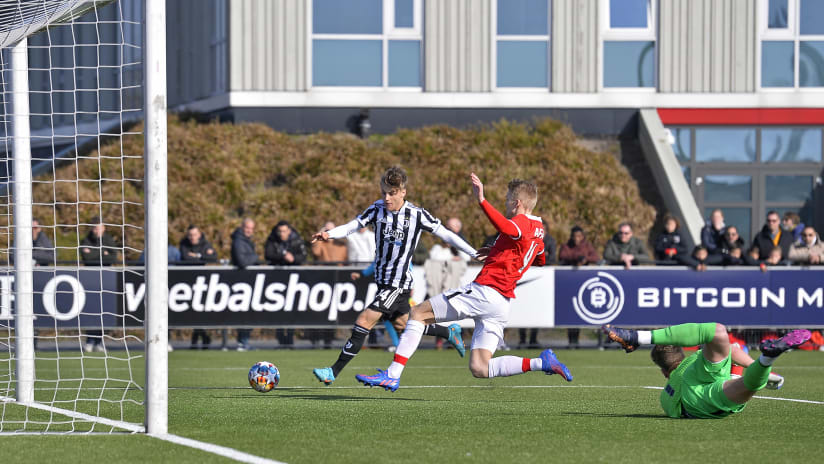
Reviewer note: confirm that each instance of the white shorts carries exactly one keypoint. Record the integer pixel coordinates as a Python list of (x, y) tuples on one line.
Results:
[(488, 308)]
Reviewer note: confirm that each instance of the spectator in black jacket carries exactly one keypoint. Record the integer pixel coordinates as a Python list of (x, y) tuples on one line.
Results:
[(284, 246), (243, 255), (98, 248), (732, 248), (195, 248), (713, 232), (772, 236), (669, 247)]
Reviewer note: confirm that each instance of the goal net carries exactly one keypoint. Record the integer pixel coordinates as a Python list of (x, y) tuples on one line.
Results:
[(72, 223)]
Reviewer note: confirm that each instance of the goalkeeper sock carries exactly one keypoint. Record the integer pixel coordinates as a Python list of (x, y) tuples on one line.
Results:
[(685, 334), (756, 376)]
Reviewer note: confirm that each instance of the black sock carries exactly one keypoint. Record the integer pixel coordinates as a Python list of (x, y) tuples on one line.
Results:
[(436, 331), (350, 349)]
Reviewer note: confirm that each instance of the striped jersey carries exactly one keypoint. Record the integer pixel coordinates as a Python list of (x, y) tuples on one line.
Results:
[(396, 236)]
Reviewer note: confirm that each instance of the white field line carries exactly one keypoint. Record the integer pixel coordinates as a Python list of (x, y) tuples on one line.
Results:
[(230, 453), (775, 398), (418, 387), (131, 427), (136, 428)]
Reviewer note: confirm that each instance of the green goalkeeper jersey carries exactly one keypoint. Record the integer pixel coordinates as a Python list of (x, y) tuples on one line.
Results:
[(671, 396)]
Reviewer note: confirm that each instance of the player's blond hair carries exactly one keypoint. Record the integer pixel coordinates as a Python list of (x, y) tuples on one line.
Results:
[(394, 178), (667, 357), (525, 191)]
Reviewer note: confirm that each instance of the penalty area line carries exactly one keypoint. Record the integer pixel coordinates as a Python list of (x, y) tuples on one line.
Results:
[(224, 451)]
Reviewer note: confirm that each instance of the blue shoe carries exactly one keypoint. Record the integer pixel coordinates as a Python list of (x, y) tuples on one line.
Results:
[(324, 374), (455, 339), (551, 365), (381, 379)]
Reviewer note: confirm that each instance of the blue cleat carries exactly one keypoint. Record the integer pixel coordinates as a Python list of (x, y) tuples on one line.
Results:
[(324, 374), (455, 339), (551, 365), (381, 379)]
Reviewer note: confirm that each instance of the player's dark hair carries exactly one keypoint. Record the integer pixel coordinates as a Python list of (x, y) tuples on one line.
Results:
[(394, 177), (667, 357), (525, 191)]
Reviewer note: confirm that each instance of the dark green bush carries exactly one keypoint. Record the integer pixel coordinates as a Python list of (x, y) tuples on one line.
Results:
[(220, 173)]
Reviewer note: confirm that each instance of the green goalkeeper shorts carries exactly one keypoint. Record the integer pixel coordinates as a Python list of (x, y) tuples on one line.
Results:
[(702, 390)]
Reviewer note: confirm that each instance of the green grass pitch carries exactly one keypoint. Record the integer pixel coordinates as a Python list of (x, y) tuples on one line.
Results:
[(442, 414)]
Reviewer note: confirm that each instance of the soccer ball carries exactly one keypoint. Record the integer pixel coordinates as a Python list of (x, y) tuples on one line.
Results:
[(264, 376)]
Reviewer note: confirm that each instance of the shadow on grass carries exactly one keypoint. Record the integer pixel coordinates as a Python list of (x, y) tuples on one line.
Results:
[(310, 394), (606, 414)]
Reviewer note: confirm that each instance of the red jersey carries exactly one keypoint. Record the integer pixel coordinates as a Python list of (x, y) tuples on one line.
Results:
[(520, 242)]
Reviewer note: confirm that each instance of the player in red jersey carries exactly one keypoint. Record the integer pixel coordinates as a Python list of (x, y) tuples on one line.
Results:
[(486, 299)]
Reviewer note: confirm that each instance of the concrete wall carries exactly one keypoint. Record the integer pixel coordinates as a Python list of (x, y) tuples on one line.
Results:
[(457, 45), (574, 45)]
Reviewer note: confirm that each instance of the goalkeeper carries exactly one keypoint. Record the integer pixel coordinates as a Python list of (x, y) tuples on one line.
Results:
[(700, 386)]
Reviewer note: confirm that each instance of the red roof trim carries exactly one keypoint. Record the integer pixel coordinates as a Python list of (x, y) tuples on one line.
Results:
[(744, 117)]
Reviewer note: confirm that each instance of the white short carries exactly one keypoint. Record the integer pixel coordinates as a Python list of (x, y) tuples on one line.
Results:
[(488, 308)]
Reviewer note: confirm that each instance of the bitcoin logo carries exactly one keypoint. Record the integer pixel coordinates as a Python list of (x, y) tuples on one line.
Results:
[(599, 299)]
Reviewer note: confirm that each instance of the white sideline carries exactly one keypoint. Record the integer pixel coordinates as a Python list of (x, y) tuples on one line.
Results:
[(215, 449), (131, 427), (136, 428)]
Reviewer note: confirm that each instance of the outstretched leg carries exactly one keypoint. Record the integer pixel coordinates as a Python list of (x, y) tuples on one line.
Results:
[(757, 374), (366, 320)]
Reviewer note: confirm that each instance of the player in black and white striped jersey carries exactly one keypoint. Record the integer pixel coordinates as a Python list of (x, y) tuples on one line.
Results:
[(398, 226)]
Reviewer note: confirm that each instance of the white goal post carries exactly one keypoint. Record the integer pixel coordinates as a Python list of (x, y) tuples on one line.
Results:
[(81, 81)]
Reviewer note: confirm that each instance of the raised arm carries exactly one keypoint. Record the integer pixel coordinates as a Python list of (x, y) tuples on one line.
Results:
[(501, 223)]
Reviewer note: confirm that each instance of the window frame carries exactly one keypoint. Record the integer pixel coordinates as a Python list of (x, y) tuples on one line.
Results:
[(390, 33), (792, 33), (627, 34), (519, 38)]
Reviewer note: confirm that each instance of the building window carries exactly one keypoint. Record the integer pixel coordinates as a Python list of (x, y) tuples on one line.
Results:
[(629, 36), (367, 43), (792, 43), (746, 171), (522, 43)]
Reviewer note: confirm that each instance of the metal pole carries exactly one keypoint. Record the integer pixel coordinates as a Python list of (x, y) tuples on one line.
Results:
[(157, 290), (23, 263)]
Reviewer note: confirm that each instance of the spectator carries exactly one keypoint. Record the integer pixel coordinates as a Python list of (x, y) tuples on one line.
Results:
[(577, 251), (752, 258), (625, 249), (775, 258), (550, 245), (42, 247), (284, 247), (243, 255), (698, 259), (330, 251), (360, 246), (195, 249), (98, 248), (791, 222), (808, 250), (732, 249), (771, 236), (669, 248), (713, 232)]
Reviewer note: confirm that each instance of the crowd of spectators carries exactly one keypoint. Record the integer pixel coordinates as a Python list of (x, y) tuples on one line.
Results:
[(781, 241)]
